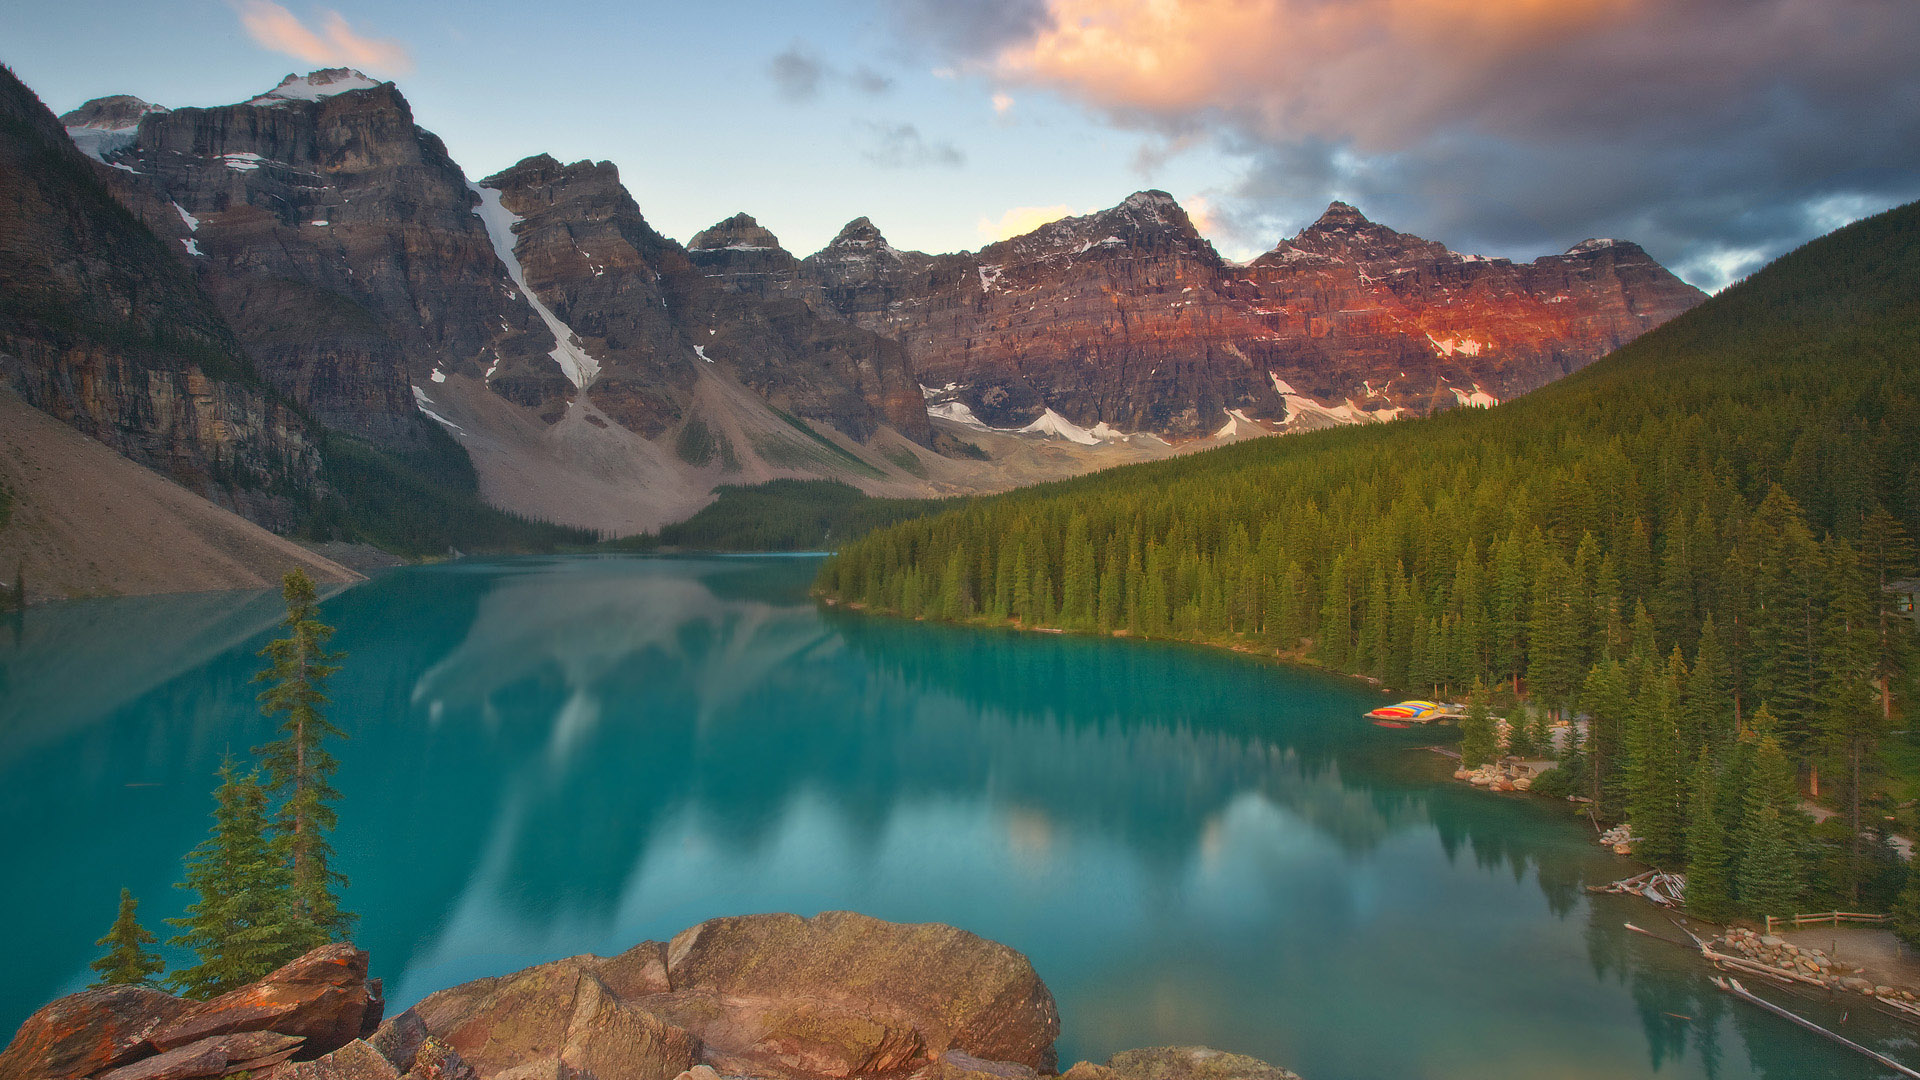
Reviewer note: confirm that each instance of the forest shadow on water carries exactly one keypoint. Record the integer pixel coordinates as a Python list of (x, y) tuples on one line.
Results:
[(563, 755)]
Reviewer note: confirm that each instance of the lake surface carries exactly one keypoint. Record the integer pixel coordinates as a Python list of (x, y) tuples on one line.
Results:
[(555, 756)]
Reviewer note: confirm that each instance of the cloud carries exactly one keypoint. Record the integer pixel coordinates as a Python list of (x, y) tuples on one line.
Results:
[(800, 75), (1002, 104), (901, 146), (274, 27), (1021, 219), (1702, 128), (796, 75)]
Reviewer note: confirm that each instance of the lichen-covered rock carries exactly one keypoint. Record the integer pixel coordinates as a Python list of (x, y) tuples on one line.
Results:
[(324, 997), (86, 1033), (1192, 1063), (212, 1056), (557, 1019), (354, 1061), (959, 990)]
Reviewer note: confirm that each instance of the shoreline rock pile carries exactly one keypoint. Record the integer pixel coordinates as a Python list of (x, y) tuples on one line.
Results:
[(840, 996), (1806, 965), (1498, 776), (1620, 838)]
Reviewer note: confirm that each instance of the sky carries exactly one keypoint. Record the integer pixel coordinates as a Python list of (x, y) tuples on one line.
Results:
[(1716, 133)]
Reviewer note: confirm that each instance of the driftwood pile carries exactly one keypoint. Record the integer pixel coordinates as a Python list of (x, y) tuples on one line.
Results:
[(1656, 885)]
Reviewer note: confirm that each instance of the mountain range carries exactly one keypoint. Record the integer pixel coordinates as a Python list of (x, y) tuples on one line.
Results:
[(343, 282)]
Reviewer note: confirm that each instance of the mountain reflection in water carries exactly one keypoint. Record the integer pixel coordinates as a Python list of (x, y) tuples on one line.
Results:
[(554, 756)]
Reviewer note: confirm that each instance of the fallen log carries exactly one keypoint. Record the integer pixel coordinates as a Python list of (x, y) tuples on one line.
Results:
[(1732, 986)]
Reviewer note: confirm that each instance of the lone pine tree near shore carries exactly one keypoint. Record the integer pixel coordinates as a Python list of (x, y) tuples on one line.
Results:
[(128, 961), (298, 766), (243, 924), (265, 881)]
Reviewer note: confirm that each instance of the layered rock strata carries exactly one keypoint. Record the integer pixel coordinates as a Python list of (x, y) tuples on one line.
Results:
[(1129, 318), (105, 329)]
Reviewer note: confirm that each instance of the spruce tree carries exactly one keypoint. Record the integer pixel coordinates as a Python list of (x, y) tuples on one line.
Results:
[(1709, 887), (1479, 743), (299, 768), (243, 923), (127, 961), (1769, 880), (1906, 912)]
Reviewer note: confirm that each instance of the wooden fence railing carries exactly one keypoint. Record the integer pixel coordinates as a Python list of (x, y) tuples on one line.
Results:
[(1822, 918)]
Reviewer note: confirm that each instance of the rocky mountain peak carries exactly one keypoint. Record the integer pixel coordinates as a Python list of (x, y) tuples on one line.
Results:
[(315, 85), (859, 239), (737, 233), (1344, 234), (1626, 249), (1144, 220), (107, 124), (117, 112), (1340, 215)]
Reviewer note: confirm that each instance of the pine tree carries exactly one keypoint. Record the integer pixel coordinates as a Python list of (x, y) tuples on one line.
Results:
[(1709, 886), (1906, 912), (1769, 880), (128, 962), (1478, 742), (299, 768), (1849, 715), (243, 923)]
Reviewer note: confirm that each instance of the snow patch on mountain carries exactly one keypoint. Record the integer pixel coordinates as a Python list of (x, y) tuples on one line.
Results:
[(1464, 346), (580, 367), (1477, 398), (959, 413), (1053, 424), (313, 86)]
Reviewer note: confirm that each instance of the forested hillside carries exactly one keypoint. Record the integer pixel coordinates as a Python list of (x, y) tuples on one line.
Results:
[(1688, 541)]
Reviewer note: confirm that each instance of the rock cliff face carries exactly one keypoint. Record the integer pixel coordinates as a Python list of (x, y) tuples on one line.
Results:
[(105, 329), (380, 289), (335, 235), (1128, 317)]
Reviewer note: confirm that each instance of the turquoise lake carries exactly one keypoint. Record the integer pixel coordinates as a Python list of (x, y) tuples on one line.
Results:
[(566, 755)]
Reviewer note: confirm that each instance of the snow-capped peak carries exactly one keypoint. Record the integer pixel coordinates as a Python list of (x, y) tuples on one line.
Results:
[(1597, 244), (315, 85), (107, 125), (1149, 200)]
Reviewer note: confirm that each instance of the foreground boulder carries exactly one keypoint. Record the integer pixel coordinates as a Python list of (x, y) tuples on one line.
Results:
[(89, 1032), (307, 1008), (324, 997), (759, 997), (1191, 1063), (564, 1019), (927, 983), (835, 996)]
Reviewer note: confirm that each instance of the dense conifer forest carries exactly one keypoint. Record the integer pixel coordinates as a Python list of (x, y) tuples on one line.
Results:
[(1688, 543)]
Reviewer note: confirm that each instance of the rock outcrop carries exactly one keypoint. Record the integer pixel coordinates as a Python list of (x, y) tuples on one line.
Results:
[(105, 329), (314, 1007), (336, 236), (836, 996), (1128, 317), (1192, 1063), (758, 997)]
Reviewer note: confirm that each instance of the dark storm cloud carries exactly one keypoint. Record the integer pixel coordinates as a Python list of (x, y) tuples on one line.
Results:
[(1716, 132), (901, 146)]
